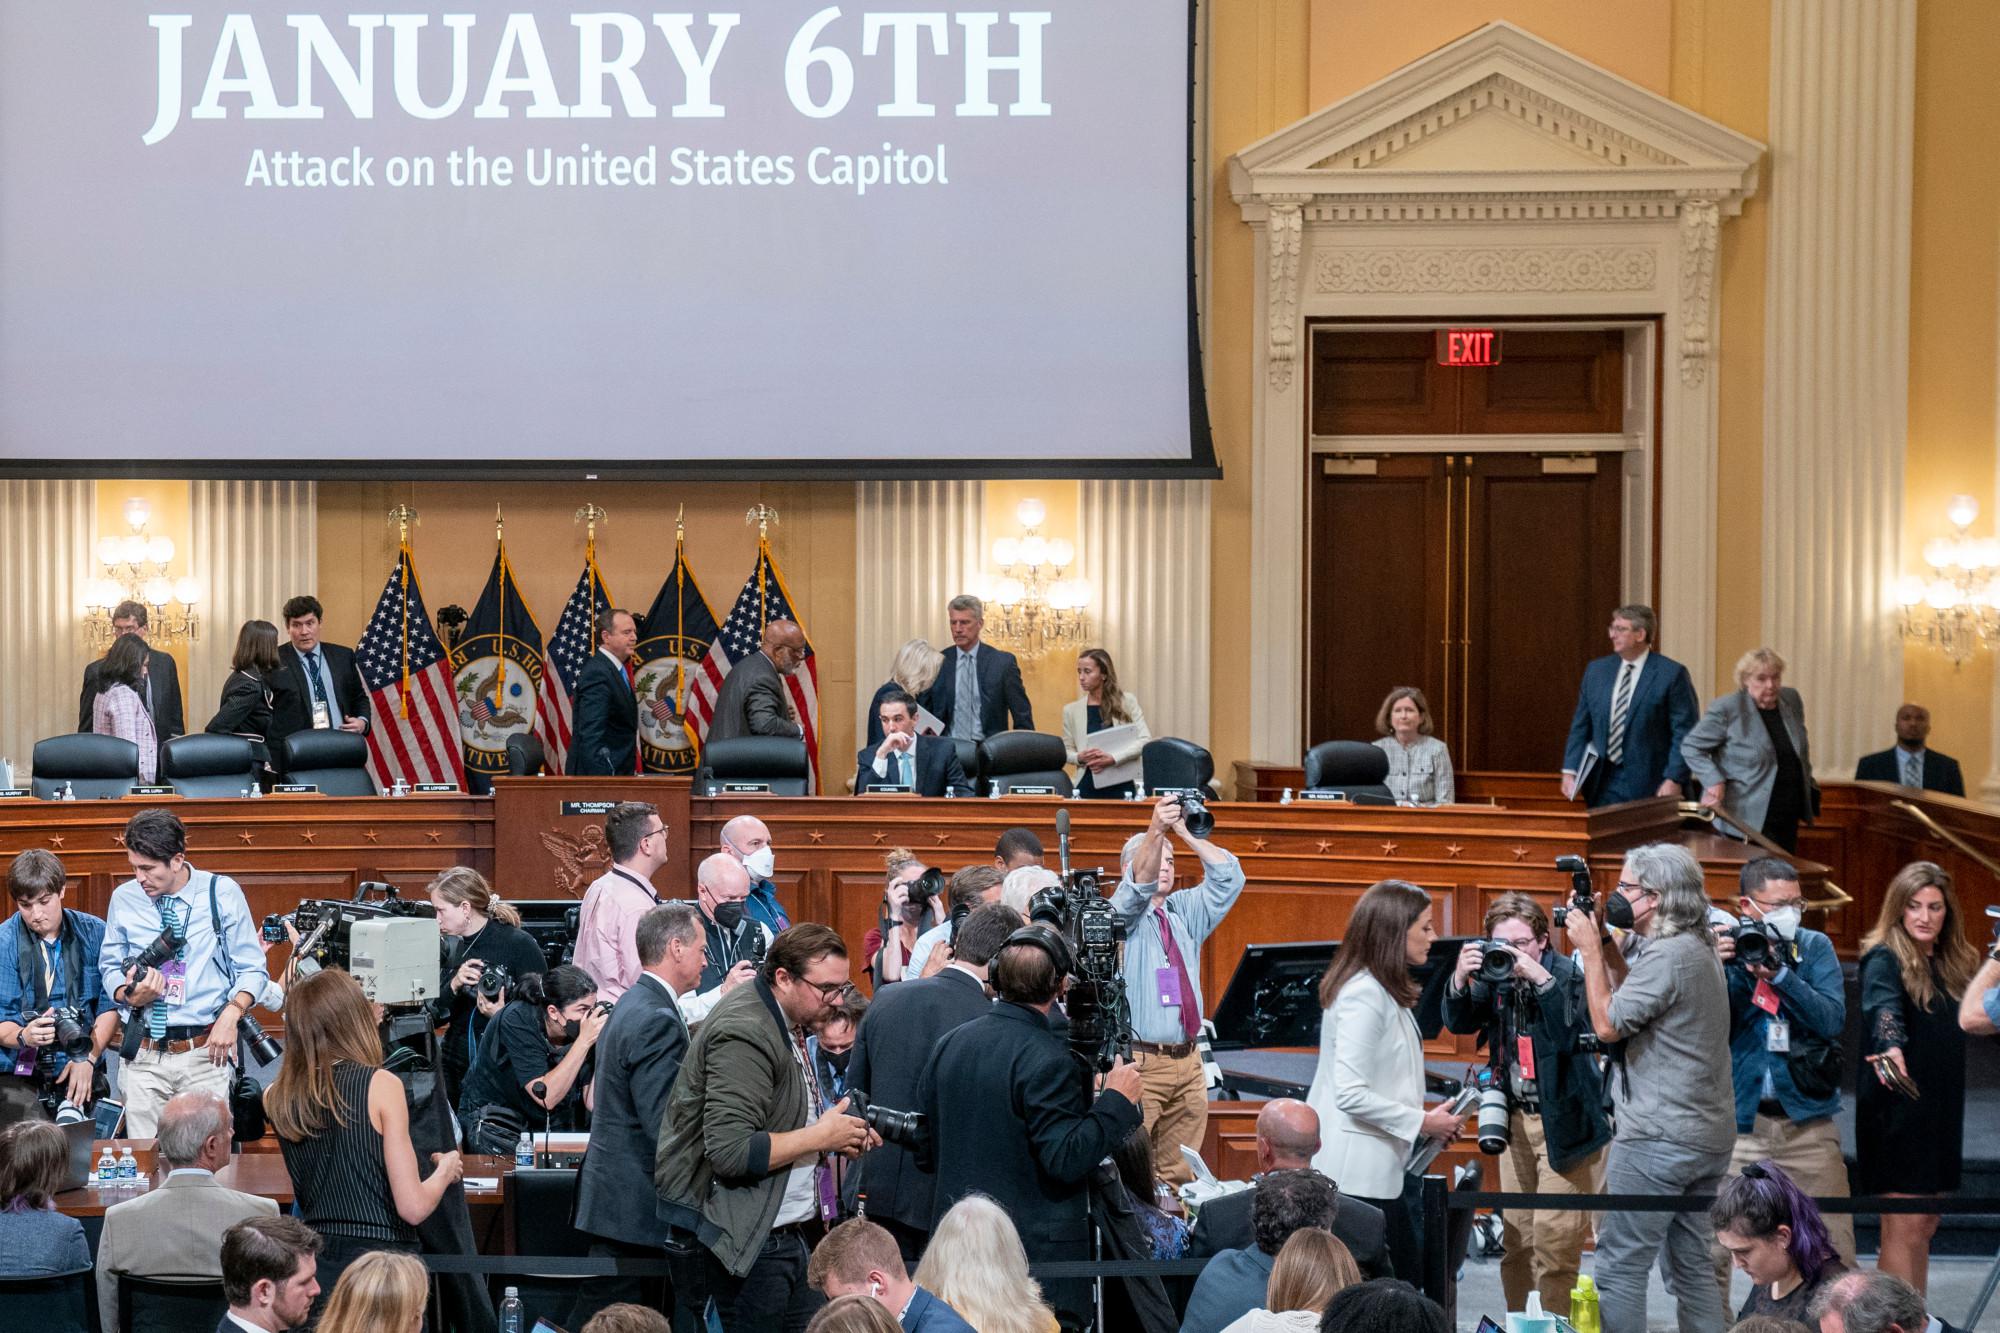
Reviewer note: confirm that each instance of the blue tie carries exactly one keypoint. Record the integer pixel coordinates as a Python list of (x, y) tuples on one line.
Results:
[(156, 1012), (909, 767)]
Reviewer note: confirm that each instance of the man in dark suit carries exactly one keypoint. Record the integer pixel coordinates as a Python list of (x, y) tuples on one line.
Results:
[(1633, 711), (1909, 762), (1287, 1140), (858, 1258), (752, 700), (979, 687), (604, 713), (315, 684), (270, 1274), (638, 1056), (1010, 1114), (160, 690), (890, 1052), (927, 765)]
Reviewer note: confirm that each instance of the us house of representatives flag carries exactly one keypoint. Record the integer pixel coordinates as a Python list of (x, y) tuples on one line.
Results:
[(678, 632), (496, 674)]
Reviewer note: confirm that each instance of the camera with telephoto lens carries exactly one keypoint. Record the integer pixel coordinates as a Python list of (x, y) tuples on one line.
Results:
[(1195, 813), (72, 1030), (1100, 1017), (260, 1042), (494, 978), (1582, 894), (1496, 963), (925, 890), (1493, 1132), (905, 1128), (1759, 943), (156, 954)]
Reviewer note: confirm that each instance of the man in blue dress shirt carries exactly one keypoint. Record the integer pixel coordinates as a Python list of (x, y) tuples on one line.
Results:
[(858, 1258), (48, 961)]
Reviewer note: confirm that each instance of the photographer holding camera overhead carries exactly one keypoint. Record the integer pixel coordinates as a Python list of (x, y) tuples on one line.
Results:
[(1164, 931), (1787, 1010), (533, 1062), (490, 955), (56, 1018), (1527, 1001)]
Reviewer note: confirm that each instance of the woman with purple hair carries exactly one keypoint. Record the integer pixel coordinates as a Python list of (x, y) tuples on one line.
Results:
[(1775, 1233)]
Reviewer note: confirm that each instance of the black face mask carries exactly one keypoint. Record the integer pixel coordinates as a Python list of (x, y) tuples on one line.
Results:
[(729, 915), (572, 1028), (835, 1060), (1618, 911)]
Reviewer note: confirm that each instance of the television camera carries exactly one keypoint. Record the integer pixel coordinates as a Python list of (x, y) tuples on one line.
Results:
[(1100, 1016)]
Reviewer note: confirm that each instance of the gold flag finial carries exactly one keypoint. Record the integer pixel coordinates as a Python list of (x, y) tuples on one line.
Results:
[(404, 518), (763, 516), (590, 516)]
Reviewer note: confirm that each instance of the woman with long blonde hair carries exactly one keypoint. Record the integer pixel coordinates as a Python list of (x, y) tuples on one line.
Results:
[(1916, 966), (975, 1264), (482, 931), (913, 671), (1311, 1269), (1101, 703), (344, 1128), (379, 1293)]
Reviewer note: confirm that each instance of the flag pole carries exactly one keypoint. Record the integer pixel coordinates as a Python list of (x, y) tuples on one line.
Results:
[(763, 516), (404, 518), (500, 560), (680, 611), (590, 516)]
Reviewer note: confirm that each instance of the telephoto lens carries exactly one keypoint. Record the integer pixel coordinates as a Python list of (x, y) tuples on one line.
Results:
[(1755, 943), (1493, 1134), (72, 1033), (1496, 962), (900, 1127), (261, 1045), (1195, 814)]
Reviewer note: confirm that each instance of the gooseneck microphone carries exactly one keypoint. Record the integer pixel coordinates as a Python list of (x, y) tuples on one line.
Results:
[(1062, 838)]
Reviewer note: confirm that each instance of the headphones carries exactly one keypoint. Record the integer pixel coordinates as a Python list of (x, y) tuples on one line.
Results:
[(1041, 937)]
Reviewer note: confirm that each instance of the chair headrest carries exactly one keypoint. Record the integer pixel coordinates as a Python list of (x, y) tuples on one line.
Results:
[(86, 755), (204, 756), (760, 757), (321, 747), (1346, 764), (1021, 752)]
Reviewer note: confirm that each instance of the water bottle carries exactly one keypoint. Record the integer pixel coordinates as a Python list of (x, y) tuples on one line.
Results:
[(524, 1153), (1139, 792), (69, 792), (256, 790), (128, 1165), (107, 1166), (1583, 1312), (1286, 799), (512, 1316)]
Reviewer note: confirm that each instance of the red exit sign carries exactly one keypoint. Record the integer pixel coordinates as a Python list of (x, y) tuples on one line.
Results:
[(1468, 347)]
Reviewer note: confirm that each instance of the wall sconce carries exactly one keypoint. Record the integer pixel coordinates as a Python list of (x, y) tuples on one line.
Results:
[(135, 570), (1039, 608), (1956, 610)]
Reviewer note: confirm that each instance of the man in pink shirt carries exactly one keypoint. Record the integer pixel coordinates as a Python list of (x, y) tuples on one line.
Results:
[(607, 944)]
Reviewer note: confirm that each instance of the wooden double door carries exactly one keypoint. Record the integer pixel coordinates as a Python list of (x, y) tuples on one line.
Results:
[(1485, 579)]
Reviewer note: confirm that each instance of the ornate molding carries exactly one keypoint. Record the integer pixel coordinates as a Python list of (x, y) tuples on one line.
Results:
[(1700, 221), (1487, 268), (1497, 94), (1285, 232)]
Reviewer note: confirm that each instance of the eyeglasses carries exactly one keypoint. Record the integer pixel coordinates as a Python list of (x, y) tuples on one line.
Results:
[(1628, 888), (1781, 904), (652, 832), (828, 990)]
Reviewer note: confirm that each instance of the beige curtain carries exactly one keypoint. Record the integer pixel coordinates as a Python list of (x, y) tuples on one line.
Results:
[(1145, 551), (254, 544), (917, 546), (47, 529)]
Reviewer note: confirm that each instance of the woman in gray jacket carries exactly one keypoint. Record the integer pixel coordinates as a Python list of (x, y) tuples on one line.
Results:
[(1751, 754)]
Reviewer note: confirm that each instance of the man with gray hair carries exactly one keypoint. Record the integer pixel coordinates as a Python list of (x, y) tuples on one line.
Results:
[(1164, 931), (736, 940), (171, 1230), (1676, 1112), (1873, 1302), (978, 690)]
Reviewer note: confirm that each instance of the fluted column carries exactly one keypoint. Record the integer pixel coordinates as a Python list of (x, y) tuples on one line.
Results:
[(46, 533), (917, 546), (1144, 547), (1837, 360), (255, 545)]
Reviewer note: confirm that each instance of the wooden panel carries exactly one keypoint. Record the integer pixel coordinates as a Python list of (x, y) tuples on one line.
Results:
[(1387, 383), (543, 853), (1549, 381)]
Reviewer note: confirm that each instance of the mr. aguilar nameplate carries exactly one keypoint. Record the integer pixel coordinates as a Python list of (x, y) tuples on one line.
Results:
[(587, 807)]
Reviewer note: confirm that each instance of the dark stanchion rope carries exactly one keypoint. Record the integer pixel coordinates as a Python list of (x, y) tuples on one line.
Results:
[(1462, 1200), (571, 1266)]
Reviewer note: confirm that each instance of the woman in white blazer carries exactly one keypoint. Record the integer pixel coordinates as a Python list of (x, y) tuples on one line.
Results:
[(1369, 1087), (1103, 705)]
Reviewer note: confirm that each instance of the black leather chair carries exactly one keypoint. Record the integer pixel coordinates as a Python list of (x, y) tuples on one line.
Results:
[(163, 1305), (334, 761), (777, 760), (525, 755), (65, 1303), (204, 765), (1355, 767), (1024, 759), (968, 760), (90, 764), (540, 1204), (1170, 763)]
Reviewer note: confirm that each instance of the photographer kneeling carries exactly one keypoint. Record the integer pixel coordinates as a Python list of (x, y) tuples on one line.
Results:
[(1533, 1017), (1675, 1111), (1009, 1111), (532, 1061)]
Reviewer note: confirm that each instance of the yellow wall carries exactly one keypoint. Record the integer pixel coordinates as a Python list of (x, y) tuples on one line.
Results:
[(812, 543), (168, 501)]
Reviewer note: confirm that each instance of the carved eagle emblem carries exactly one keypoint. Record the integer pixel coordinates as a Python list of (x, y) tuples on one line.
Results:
[(578, 859)]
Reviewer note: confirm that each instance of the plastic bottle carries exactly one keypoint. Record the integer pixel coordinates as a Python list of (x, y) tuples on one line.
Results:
[(1286, 799), (128, 1165), (524, 1153), (107, 1166), (513, 1317), (1583, 1312), (256, 790), (69, 792)]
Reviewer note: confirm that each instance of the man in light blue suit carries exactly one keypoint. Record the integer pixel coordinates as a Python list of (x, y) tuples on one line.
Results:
[(1632, 712)]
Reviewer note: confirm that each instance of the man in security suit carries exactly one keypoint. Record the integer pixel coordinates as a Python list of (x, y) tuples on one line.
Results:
[(604, 734), (927, 765)]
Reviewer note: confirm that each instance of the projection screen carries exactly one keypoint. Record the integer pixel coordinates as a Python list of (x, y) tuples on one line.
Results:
[(549, 239)]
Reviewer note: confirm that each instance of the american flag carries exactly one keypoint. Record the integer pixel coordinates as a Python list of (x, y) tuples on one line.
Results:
[(575, 641), (763, 599), (414, 736)]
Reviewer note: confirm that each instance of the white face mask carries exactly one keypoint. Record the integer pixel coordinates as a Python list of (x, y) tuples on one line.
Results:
[(1784, 920), (761, 862)]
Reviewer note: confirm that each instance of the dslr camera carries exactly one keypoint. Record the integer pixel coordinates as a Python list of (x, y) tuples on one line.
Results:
[(925, 890), (904, 1128), (1496, 963), (494, 978), (157, 953), (1100, 1017), (1194, 810), (1582, 894), (72, 1030), (1760, 943)]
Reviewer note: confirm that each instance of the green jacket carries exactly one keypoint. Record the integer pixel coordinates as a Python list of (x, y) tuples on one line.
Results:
[(739, 1084)]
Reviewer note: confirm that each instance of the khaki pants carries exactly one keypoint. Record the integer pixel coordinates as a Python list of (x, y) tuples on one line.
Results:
[(1810, 1155), (1544, 1247), (1173, 1096), (150, 1079)]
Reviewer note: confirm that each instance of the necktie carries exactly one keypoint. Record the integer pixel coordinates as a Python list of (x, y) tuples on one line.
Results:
[(965, 722), (1913, 771), (313, 677), (1190, 1011), (156, 1012), (909, 766), (1614, 747)]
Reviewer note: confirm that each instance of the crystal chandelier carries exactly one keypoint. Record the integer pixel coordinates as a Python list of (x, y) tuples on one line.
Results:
[(134, 569), (1957, 609), (1039, 609)]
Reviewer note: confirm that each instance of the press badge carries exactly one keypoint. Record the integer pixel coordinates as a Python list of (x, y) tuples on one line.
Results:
[(1778, 1036), (1168, 983), (174, 976), (322, 719)]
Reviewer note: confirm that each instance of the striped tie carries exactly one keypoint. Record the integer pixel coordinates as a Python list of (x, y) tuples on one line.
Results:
[(1621, 702), (1913, 771), (156, 1012)]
